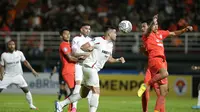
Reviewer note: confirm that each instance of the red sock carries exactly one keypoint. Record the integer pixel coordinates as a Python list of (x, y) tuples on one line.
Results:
[(159, 102), (145, 99), (162, 109), (155, 79)]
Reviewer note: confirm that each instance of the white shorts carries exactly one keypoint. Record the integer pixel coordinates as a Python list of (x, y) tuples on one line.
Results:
[(78, 72), (90, 77), (17, 80)]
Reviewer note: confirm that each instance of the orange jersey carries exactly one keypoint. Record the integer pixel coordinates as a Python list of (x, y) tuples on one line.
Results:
[(154, 43), (67, 67)]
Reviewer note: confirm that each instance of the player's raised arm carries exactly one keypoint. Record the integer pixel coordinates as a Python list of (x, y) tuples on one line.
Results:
[(28, 65), (154, 21), (113, 60), (179, 32)]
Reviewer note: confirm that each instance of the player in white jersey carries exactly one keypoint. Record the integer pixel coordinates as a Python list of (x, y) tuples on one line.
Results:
[(101, 54), (11, 71), (77, 42)]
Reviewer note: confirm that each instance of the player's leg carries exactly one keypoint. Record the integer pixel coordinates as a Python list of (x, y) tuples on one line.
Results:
[(198, 102), (19, 81), (72, 98), (157, 66), (145, 96), (78, 79), (62, 90), (160, 103)]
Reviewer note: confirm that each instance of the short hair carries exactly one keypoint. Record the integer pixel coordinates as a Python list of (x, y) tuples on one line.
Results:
[(85, 24), (109, 27), (63, 29)]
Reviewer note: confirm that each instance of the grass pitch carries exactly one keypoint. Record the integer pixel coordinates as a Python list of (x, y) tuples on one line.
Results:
[(45, 103)]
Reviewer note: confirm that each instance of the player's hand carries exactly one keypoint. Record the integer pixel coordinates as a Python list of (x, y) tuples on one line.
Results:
[(189, 28), (35, 73), (155, 19), (122, 60)]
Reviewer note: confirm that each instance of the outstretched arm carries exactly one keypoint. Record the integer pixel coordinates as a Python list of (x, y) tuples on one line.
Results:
[(113, 60), (53, 71), (27, 64), (179, 32)]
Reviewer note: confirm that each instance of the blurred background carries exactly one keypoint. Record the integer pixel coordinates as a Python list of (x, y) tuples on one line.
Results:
[(33, 24)]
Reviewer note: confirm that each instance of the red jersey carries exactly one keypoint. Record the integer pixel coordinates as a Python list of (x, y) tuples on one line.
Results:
[(67, 67), (154, 43)]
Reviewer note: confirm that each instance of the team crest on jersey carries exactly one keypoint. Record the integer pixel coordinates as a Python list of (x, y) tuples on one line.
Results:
[(65, 49)]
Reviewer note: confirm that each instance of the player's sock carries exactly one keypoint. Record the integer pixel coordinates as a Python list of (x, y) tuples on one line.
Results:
[(89, 98), (76, 91), (145, 99), (29, 98), (156, 78), (94, 102), (162, 108), (198, 102), (70, 99), (159, 102)]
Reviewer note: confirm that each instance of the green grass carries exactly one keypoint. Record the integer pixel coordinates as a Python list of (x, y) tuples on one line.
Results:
[(45, 103)]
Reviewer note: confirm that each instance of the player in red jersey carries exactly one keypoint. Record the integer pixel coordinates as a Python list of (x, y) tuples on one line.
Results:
[(145, 96), (68, 60), (157, 61)]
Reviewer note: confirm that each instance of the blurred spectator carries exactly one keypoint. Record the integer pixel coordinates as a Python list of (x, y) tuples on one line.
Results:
[(49, 15)]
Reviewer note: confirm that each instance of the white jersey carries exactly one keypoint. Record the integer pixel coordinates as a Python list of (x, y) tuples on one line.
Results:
[(101, 53), (12, 63), (78, 41)]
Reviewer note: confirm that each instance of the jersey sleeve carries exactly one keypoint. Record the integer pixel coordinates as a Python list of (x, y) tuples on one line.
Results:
[(2, 60), (65, 48), (165, 33), (22, 56)]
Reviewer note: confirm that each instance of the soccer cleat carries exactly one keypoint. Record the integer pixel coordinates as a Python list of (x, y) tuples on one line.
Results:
[(32, 107), (141, 90), (73, 110), (196, 107), (58, 107)]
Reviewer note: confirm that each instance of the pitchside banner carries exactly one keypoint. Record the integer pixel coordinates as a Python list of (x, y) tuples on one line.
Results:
[(129, 84), (110, 85), (38, 85)]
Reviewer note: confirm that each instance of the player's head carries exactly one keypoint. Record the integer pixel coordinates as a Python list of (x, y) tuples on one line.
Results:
[(144, 27), (155, 27), (110, 32), (11, 46), (85, 29), (65, 33)]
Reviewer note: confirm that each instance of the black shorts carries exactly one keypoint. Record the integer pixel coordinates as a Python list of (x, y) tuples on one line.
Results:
[(61, 80)]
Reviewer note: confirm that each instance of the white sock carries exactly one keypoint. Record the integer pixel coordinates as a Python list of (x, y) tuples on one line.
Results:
[(198, 102), (76, 90), (71, 99), (29, 98), (89, 97), (94, 102)]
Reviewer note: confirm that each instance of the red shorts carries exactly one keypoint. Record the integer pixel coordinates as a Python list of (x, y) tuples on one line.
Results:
[(155, 64), (69, 79), (147, 77)]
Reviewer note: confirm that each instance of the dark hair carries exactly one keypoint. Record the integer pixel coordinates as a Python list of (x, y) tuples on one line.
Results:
[(63, 29), (85, 24), (108, 27)]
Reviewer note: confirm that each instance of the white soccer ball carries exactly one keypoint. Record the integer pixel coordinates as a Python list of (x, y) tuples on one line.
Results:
[(125, 26)]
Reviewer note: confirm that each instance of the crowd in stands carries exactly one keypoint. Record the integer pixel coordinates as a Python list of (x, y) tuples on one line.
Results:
[(50, 15)]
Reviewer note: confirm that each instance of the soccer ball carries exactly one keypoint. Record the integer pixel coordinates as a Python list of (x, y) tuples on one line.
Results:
[(125, 26)]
